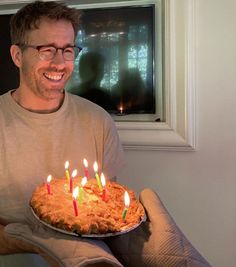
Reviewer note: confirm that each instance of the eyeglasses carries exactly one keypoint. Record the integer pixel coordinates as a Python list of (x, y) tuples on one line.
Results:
[(48, 52)]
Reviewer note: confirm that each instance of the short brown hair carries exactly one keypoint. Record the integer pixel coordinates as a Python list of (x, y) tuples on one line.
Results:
[(28, 18)]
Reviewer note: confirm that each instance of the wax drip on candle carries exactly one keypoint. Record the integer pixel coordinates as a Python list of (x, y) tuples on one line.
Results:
[(95, 167), (75, 195), (127, 203), (86, 168)]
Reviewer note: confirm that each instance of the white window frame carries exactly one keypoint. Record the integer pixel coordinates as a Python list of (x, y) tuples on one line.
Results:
[(178, 132)]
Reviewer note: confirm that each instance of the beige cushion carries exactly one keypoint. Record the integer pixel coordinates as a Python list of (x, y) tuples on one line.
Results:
[(156, 242)]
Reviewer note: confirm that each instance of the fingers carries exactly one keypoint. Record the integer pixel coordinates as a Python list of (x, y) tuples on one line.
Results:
[(52, 262), (10, 245), (156, 212)]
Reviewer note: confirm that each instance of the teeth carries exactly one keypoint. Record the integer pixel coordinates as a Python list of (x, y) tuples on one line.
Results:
[(54, 77)]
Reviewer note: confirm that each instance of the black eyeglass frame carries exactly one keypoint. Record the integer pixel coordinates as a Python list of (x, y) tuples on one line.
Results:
[(38, 47)]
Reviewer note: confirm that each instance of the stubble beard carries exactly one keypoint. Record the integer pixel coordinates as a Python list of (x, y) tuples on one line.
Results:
[(39, 89)]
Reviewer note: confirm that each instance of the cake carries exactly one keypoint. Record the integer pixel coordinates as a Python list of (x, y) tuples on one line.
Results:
[(96, 213)]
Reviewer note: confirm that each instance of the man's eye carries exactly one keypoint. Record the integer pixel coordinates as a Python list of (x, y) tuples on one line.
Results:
[(69, 50), (47, 49)]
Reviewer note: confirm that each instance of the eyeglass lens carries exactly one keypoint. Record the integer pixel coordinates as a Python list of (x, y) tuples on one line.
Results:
[(48, 53)]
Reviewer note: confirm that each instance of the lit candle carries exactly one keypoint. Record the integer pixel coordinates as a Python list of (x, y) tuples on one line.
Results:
[(127, 202), (95, 167), (121, 109), (75, 195), (74, 173), (48, 184), (67, 170), (104, 190), (83, 182), (86, 168)]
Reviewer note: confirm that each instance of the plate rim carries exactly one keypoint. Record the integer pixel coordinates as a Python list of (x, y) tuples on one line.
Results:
[(89, 235)]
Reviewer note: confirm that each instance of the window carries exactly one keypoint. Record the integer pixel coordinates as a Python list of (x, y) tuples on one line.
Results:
[(9, 78), (116, 68)]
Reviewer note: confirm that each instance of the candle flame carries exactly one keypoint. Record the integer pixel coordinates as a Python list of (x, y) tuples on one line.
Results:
[(95, 166), (84, 181), (74, 173), (121, 109), (75, 192), (103, 180), (67, 164), (85, 163), (126, 199), (49, 178)]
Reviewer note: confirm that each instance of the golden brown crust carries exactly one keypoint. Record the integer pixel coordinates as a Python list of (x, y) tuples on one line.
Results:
[(95, 216)]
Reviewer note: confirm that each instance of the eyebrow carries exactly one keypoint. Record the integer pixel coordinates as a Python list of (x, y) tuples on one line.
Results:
[(53, 44)]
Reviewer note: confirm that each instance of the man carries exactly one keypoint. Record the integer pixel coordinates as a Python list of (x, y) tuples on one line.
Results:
[(41, 125)]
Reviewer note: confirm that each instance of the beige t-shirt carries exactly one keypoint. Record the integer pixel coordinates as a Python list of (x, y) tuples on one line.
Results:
[(33, 145)]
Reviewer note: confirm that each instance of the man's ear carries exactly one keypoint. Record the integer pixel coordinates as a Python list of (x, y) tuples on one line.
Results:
[(16, 55)]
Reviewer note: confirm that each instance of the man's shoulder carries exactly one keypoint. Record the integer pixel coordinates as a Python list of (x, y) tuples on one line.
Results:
[(85, 105), (4, 101), (2, 96)]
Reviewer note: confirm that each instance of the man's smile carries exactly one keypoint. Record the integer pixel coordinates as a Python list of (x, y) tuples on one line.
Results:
[(55, 77)]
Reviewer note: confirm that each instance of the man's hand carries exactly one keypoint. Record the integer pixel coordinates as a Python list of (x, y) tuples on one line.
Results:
[(60, 249), (156, 242), (10, 245)]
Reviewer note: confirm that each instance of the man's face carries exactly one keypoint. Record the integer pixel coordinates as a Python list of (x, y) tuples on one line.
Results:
[(47, 79)]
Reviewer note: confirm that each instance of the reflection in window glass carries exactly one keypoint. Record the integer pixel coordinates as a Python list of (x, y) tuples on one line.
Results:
[(115, 68)]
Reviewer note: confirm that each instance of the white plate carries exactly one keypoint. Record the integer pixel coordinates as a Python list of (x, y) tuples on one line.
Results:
[(89, 235)]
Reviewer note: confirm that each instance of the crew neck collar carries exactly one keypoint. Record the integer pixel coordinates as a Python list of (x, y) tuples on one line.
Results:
[(44, 116)]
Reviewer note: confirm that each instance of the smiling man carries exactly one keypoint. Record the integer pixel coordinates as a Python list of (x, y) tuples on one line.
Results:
[(41, 125), (45, 57)]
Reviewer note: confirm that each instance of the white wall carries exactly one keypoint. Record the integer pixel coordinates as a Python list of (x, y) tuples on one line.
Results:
[(199, 188)]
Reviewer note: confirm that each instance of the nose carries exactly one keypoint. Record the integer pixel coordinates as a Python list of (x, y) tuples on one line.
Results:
[(58, 58)]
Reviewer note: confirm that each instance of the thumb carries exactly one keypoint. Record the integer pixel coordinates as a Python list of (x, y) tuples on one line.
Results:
[(24, 238), (17, 229), (156, 212)]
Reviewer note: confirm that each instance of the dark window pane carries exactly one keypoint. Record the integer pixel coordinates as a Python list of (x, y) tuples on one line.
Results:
[(9, 78), (116, 64)]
